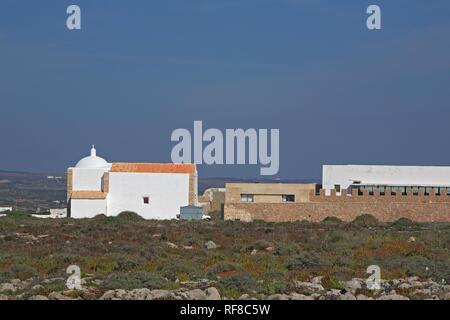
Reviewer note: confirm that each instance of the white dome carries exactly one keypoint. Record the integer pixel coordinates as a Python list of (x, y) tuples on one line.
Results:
[(92, 161)]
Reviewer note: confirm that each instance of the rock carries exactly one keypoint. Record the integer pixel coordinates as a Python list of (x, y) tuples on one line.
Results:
[(3, 297), (347, 296), (161, 295), (188, 247), (352, 285), (210, 245), (363, 297), (171, 245), (412, 239), (116, 294), (277, 297), (307, 286), (245, 296), (139, 294), (10, 287), (317, 280), (425, 292), (393, 297), (404, 286), (212, 294), (447, 296), (412, 279), (37, 287), (196, 294), (254, 252), (298, 296), (38, 297), (58, 296), (270, 249)]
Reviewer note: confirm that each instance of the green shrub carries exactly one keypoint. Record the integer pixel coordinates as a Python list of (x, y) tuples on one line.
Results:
[(405, 223), (365, 220), (134, 280), (330, 282), (287, 249), (129, 216), (23, 271), (170, 269), (241, 283), (332, 220), (305, 260)]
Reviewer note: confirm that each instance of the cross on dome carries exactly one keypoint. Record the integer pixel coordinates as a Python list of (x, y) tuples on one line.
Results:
[(92, 161)]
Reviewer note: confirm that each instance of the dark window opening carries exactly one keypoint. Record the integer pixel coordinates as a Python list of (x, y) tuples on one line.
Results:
[(146, 200), (288, 198)]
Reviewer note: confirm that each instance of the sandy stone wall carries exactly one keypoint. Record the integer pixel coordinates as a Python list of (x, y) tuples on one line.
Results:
[(279, 212), (421, 207), (191, 195), (69, 184)]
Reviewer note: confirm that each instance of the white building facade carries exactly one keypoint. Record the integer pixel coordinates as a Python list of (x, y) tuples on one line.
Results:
[(152, 190), (397, 178)]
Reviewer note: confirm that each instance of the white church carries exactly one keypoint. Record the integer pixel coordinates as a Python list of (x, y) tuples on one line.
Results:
[(152, 190)]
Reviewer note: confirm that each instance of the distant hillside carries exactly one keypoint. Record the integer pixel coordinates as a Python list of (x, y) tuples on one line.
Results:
[(28, 190)]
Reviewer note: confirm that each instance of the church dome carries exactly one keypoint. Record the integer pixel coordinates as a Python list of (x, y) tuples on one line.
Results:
[(92, 161)]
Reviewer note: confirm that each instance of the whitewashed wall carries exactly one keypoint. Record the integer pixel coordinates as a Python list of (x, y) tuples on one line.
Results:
[(167, 193), (87, 208), (87, 179), (384, 175)]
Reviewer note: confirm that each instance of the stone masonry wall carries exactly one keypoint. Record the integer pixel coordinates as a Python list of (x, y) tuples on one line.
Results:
[(421, 207)]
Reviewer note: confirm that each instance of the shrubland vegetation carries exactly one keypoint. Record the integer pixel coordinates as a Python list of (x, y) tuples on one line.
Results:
[(129, 252)]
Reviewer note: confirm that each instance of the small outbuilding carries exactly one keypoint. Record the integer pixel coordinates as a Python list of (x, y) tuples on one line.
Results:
[(191, 213)]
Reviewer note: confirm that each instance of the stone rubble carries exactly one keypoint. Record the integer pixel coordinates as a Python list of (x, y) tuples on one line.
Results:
[(355, 289)]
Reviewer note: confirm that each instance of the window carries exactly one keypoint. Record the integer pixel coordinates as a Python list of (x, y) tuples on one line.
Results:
[(146, 200), (437, 191), (382, 190), (370, 188), (288, 198), (427, 191), (416, 190), (337, 187), (247, 198), (393, 191)]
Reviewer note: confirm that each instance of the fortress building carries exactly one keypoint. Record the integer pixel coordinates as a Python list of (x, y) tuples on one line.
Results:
[(420, 193), (152, 190)]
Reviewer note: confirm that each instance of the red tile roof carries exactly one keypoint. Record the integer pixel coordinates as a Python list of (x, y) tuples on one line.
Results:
[(153, 167)]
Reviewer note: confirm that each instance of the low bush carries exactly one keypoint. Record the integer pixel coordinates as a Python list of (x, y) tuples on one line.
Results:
[(134, 280), (365, 220), (239, 283), (306, 260)]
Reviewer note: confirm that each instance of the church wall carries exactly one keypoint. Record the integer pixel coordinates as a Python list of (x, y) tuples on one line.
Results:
[(87, 208), (167, 192), (87, 179)]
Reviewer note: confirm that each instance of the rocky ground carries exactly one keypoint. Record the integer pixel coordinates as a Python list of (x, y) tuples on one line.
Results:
[(355, 289)]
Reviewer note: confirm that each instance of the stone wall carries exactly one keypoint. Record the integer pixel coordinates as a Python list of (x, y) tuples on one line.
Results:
[(69, 184), (268, 192), (421, 207)]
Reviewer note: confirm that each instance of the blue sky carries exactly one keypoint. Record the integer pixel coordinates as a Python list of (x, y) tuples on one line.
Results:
[(137, 70)]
